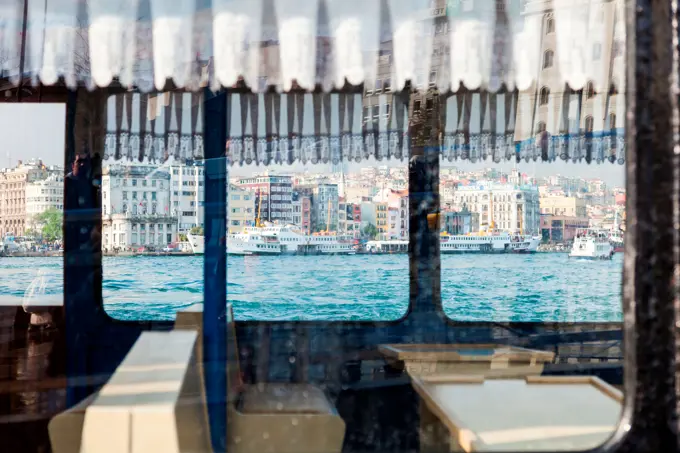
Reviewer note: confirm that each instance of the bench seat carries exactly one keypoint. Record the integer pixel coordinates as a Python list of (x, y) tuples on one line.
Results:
[(154, 401)]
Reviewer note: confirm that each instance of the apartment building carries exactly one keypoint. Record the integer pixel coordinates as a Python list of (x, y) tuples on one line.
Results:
[(241, 209), (187, 195), (136, 208), (13, 182), (276, 195), (44, 195), (563, 206)]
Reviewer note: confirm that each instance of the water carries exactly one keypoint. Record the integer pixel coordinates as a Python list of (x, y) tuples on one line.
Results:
[(543, 287)]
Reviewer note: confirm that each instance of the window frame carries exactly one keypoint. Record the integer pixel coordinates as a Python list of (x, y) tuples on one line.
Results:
[(648, 273)]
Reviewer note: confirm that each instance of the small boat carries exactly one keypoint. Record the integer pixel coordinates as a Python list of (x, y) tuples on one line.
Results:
[(592, 244)]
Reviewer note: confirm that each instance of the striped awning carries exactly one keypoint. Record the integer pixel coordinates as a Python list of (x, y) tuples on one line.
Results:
[(479, 45), (270, 128)]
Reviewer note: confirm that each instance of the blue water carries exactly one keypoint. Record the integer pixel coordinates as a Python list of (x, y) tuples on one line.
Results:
[(541, 287)]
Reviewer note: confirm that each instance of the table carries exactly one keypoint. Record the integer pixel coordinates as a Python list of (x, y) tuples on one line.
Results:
[(536, 413), (490, 360)]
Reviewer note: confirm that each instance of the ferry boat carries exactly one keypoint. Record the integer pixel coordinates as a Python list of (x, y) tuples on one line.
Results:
[(592, 244), (616, 240), (493, 242), (616, 235), (248, 242), (295, 242)]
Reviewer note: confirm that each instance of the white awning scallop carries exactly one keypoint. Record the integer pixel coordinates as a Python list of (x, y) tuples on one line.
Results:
[(479, 45), (271, 128)]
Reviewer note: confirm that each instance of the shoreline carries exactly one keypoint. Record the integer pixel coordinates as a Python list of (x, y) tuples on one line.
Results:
[(188, 254)]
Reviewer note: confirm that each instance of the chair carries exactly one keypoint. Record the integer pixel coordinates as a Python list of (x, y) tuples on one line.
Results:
[(272, 417)]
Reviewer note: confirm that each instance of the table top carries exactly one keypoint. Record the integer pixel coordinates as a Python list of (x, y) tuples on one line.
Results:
[(463, 352), (536, 413)]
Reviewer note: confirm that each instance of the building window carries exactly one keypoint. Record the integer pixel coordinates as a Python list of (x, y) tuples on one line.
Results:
[(589, 123), (549, 25), (590, 90), (548, 57), (612, 121), (545, 96), (612, 89), (433, 78)]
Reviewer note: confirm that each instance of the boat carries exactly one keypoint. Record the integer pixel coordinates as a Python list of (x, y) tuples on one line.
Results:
[(248, 242), (295, 242), (486, 242), (197, 243), (616, 235), (592, 244)]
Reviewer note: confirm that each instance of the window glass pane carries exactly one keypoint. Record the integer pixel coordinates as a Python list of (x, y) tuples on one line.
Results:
[(305, 236), (31, 208), (152, 204)]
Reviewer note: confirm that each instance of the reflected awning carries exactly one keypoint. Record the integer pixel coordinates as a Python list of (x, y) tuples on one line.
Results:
[(270, 128), (479, 45)]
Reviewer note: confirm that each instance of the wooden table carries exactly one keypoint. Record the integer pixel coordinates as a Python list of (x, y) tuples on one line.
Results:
[(557, 413), (490, 360)]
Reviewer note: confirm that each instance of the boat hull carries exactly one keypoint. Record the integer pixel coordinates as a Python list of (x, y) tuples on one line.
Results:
[(591, 258)]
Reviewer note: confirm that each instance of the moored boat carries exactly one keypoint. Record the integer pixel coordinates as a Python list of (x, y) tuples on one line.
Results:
[(591, 244)]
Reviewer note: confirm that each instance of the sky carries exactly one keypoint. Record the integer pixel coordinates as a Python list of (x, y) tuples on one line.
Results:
[(37, 131)]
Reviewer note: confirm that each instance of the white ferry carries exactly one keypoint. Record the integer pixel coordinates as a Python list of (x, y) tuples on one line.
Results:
[(485, 242), (295, 242), (592, 244), (246, 243)]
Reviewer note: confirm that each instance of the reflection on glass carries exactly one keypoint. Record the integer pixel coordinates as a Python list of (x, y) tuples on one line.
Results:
[(152, 202)]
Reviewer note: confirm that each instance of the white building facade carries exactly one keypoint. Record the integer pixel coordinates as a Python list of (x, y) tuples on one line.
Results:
[(511, 207), (187, 195), (136, 208), (43, 195)]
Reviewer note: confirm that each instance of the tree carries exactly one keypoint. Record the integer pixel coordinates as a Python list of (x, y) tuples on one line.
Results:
[(371, 231), (50, 222), (197, 230)]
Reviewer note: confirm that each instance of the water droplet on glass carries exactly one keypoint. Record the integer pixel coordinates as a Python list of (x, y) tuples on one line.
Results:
[(265, 435), (83, 230), (295, 421), (291, 359), (279, 406), (237, 440), (81, 200)]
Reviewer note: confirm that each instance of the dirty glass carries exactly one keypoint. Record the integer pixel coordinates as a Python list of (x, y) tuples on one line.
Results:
[(31, 209), (469, 153)]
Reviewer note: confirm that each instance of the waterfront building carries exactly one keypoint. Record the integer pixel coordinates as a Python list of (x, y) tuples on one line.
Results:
[(43, 195), (276, 195), (187, 195), (381, 219), (511, 207), (241, 210), (459, 222), (349, 218), (325, 203), (561, 228), (136, 207), (302, 211), (13, 182), (563, 206)]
